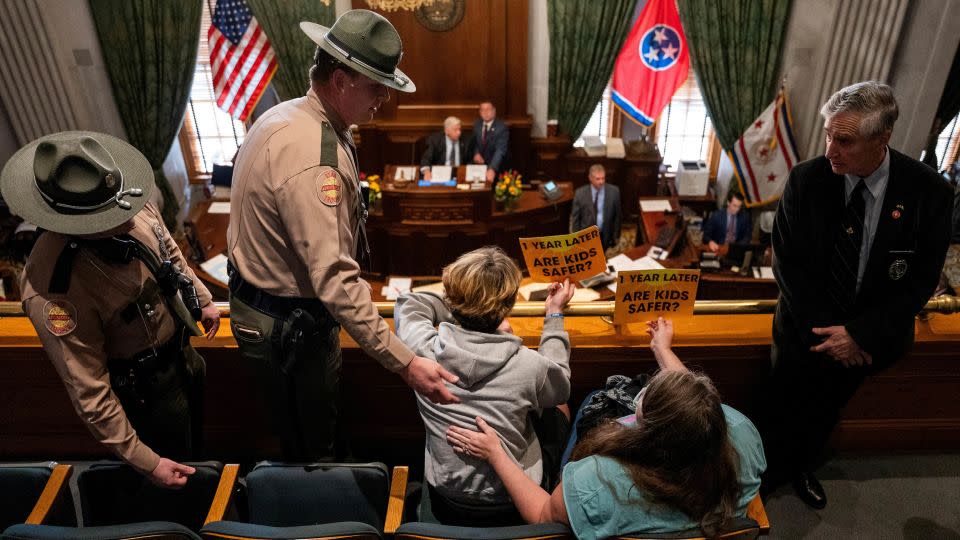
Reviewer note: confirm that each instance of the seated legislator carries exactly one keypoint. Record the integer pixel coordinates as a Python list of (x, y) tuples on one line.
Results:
[(597, 203), (730, 226), (683, 461), (516, 388), (446, 148)]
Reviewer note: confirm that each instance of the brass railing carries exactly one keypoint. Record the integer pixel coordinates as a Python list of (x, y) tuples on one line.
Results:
[(941, 304)]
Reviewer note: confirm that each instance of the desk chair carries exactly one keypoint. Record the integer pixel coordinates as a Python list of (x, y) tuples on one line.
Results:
[(433, 531), (323, 500), (35, 493)]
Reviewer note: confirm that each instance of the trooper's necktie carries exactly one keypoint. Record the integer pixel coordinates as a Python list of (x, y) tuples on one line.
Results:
[(845, 259)]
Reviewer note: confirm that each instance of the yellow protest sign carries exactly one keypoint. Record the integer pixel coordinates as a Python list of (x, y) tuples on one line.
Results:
[(644, 295), (576, 256)]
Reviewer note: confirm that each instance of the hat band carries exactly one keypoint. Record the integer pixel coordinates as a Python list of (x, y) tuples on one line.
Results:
[(115, 199), (363, 61)]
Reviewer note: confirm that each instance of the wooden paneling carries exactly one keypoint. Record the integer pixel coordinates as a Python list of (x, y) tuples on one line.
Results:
[(911, 406), (483, 58)]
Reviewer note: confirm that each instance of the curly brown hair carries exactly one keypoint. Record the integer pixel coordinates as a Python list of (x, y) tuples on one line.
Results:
[(679, 453), (480, 288)]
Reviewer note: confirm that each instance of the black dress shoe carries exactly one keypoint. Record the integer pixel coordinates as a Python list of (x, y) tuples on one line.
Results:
[(809, 490)]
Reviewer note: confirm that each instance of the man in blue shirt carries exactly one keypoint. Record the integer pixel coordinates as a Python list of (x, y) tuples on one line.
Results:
[(728, 226), (447, 148)]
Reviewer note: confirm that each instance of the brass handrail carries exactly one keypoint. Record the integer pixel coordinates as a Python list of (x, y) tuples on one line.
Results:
[(944, 304)]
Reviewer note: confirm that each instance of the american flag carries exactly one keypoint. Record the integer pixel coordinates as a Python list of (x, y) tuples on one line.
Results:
[(241, 58)]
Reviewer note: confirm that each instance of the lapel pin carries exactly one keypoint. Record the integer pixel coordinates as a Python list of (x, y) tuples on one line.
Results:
[(895, 214)]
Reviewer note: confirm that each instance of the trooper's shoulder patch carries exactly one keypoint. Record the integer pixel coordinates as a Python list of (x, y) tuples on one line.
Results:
[(330, 188), (60, 317)]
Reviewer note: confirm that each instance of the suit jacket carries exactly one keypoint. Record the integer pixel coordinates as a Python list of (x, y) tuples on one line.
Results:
[(583, 216), (715, 227), (913, 228), (494, 148), (436, 152)]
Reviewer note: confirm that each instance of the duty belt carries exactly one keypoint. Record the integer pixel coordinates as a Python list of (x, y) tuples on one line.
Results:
[(278, 307), (149, 360)]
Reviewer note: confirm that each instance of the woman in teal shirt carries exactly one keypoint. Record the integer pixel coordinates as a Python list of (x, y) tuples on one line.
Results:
[(688, 462)]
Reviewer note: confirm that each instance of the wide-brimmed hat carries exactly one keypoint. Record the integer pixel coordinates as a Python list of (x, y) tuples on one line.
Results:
[(366, 42), (77, 182)]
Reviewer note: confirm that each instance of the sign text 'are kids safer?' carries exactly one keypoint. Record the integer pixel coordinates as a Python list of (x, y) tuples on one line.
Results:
[(644, 295), (576, 256)]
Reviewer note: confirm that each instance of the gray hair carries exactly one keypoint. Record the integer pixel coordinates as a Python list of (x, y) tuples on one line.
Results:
[(450, 122), (596, 168), (873, 100)]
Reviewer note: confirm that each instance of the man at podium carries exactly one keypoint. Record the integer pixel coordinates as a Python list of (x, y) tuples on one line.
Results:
[(446, 148)]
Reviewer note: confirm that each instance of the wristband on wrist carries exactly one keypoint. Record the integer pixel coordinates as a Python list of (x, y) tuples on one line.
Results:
[(554, 315)]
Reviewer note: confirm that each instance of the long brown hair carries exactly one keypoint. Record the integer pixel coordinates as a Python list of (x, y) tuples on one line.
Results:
[(678, 453)]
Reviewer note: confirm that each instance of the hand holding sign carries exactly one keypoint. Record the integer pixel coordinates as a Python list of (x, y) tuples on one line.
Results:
[(558, 296), (644, 295), (573, 256)]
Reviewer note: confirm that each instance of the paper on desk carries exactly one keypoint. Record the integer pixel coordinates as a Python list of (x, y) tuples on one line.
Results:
[(441, 173), (476, 173), (766, 272), (219, 207), (396, 286), (622, 263), (405, 173), (217, 268), (581, 294), (655, 205), (435, 288)]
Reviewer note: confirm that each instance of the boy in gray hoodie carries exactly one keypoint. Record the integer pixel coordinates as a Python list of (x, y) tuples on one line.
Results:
[(500, 379)]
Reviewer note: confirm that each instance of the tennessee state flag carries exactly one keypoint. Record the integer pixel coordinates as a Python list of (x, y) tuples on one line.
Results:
[(653, 63)]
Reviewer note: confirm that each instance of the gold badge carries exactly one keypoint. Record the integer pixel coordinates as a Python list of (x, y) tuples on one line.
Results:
[(60, 317), (898, 269), (329, 188)]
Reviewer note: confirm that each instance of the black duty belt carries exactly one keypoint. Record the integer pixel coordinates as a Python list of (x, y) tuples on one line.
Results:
[(278, 307), (149, 360)]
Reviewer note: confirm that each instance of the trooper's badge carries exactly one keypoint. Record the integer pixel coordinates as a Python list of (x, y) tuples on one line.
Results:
[(330, 188), (898, 269), (60, 317)]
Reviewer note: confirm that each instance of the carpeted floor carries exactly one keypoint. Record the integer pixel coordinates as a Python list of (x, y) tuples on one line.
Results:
[(905, 496)]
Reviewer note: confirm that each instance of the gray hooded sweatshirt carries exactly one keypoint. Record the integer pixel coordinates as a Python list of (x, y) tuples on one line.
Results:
[(500, 380)]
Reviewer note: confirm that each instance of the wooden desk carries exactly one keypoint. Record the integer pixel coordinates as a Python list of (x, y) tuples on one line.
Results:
[(418, 230)]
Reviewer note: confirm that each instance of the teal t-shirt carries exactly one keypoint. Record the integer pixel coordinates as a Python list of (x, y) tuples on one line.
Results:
[(602, 500)]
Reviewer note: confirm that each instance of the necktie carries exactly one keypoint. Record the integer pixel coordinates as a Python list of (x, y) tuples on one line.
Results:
[(596, 209), (731, 229), (450, 156), (483, 136), (845, 259)]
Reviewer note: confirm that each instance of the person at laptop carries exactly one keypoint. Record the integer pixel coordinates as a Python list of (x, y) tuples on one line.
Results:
[(730, 226), (446, 148)]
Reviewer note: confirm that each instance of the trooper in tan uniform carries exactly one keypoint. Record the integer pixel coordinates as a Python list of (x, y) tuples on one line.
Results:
[(296, 225), (105, 287)]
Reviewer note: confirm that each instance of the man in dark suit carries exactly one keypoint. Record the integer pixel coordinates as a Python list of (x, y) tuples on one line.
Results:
[(597, 203), (445, 148), (491, 139), (859, 240), (728, 226)]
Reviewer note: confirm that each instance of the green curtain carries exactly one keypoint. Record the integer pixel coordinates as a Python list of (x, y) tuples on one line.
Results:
[(150, 50), (735, 46), (280, 20), (948, 108), (585, 38)]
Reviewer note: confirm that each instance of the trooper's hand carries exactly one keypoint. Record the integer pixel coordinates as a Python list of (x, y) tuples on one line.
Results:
[(429, 379), (210, 319), (170, 474)]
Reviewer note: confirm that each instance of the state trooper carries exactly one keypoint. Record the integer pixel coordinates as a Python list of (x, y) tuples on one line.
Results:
[(296, 224), (111, 298)]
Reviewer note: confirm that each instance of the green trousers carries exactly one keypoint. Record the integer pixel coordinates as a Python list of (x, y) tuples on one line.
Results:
[(303, 401), (165, 405)]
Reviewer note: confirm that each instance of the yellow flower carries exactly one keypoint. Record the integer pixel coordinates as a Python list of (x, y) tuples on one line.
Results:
[(513, 191), (373, 178)]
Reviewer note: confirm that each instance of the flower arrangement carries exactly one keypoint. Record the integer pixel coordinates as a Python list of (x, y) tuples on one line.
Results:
[(507, 189), (373, 187)]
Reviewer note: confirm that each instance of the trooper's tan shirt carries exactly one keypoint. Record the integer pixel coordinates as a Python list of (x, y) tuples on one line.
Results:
[(105, 314), (293, 222)]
